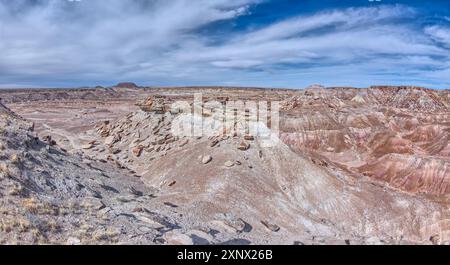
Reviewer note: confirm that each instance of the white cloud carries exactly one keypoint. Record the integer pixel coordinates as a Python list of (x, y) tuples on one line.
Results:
[(159, 42), (364, 35), (439, 33), (352, 17), (98, 39)]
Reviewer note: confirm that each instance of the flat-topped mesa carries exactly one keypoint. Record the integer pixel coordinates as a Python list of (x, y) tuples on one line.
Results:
[(127, 85)]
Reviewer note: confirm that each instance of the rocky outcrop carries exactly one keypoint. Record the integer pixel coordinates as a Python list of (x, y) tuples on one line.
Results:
[(279, 193), (48, 196), (157, 104)]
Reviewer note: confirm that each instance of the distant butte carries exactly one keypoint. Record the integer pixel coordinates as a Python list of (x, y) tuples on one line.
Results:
[(127, 85)]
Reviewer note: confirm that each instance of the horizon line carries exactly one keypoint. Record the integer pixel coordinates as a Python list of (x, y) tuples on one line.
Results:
[(216, 86)]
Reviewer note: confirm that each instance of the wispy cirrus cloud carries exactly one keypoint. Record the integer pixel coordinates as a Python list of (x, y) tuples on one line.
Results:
[(62, 43), (439, 33), (57, 40)]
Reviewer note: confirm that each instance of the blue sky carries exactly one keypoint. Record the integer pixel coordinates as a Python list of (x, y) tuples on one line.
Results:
[(266, 43)]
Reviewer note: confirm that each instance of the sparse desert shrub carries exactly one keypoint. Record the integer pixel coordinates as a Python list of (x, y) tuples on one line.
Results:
[(6, 225), (53, 226), (4, 171), (48, 209), (84, 231), (85, 226), (46, 226), (38, 237), (15, 223), (108, 235), (4, 211), (73, 207), (5, 116), (35, 206), (15, 159), (16, 190), (23, 225), (32, 205)]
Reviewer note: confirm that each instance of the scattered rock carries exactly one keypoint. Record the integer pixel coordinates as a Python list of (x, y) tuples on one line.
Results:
[(159, 240), (249, 138), (435, 239), (271, 227), (183, 143), (104, 211), (124, 199), (157, 104), (73, 241), (229, 164), (172, 183), (155, 220), (87, 146), (139, 210), (214, 143), (48, 139), (176, 238), (206, 159), (111, 140), (137, 151), (134, 191), (170, 204), (200, 237), (232, 223), (150, 221), (243, 146), (115, 151)]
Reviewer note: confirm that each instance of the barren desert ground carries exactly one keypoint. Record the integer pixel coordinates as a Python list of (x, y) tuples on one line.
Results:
[(105, 166)]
